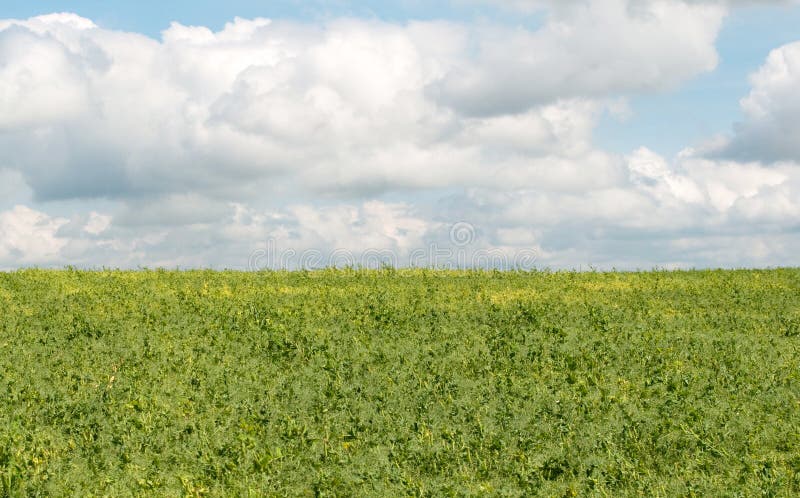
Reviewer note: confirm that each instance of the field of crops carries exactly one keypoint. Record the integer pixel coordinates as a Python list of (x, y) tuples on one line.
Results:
[(390, 383)]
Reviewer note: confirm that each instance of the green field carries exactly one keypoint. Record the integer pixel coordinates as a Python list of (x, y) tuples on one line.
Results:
[(392, 383)]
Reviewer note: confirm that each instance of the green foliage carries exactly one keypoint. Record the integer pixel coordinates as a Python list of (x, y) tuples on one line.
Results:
[(399, 382)]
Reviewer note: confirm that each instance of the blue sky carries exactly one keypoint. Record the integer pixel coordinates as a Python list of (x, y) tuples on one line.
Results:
[(553, 127)]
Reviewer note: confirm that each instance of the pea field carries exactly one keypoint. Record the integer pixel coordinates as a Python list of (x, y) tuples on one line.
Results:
[(399, 383)]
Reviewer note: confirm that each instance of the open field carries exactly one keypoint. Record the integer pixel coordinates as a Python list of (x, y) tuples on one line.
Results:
[(412, 382)]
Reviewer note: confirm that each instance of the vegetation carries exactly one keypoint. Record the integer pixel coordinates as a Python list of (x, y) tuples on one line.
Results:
[(407, 382)]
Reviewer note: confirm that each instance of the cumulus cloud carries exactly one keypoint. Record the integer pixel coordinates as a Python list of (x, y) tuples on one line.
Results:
[(771, 129), (195, 149), (677, 213), (29, 237), (598, 48), (350, 106)]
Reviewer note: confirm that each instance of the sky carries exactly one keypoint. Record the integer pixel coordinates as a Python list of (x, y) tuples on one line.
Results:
[(572, 134)]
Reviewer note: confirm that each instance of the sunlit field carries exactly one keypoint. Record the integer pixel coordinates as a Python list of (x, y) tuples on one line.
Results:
[(392, 383)]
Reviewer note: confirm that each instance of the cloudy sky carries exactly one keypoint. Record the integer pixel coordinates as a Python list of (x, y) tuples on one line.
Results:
[(605, 133)]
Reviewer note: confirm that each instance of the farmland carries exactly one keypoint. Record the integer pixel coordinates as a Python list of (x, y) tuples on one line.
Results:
[(399, 382)]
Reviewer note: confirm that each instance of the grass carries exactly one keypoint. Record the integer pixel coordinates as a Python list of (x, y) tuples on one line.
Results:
[(391, 383)]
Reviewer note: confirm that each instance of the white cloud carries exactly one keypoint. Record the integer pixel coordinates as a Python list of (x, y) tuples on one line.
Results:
[(771, 129), (97, 223), (28, 95), (351, 106), (653, 174), (599, 48), (195, 149), (29, 237)]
